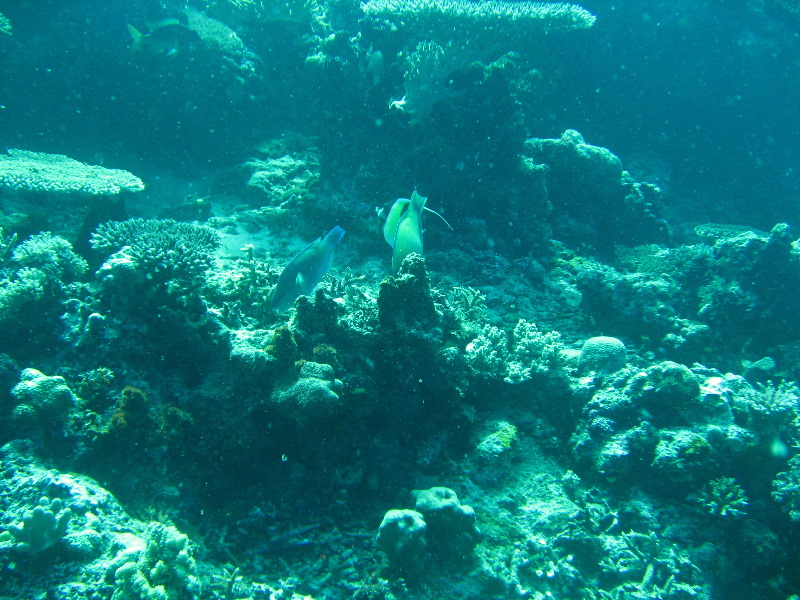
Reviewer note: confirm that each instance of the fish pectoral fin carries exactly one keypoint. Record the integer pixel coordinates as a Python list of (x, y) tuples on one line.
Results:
[(299, 281)]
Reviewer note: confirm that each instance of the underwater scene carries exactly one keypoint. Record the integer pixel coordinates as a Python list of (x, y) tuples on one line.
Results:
[(399, 300)]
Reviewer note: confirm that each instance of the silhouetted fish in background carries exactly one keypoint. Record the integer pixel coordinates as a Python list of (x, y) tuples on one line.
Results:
[(305, 270), (169, 36)]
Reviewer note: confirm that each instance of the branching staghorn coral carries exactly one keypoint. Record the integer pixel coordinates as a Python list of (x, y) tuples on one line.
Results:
[(723, 497)]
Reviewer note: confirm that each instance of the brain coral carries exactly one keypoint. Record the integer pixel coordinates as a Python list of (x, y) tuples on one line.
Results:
[(603, 355)]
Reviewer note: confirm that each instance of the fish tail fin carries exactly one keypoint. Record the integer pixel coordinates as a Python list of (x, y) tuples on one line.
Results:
[(136, 37), (417, 200)]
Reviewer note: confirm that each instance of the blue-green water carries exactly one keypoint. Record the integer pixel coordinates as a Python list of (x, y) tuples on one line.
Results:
[(578, 383)]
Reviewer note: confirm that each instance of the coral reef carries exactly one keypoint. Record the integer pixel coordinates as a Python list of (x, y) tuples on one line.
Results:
[(786, 489), (483, 27), (158, 566), (251, 453), (516, 356), (25, 171), (723, 497)]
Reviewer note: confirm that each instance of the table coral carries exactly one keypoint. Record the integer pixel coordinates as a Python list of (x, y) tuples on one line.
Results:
[(25, 171)]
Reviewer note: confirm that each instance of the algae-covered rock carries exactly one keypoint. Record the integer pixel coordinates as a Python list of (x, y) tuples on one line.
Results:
[(667, 390), (405, 303), (452, 531), (683, 457), (601, 203), (401, 536), (498, 441)]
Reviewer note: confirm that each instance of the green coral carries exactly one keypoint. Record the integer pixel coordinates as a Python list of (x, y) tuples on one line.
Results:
[(21, 170), (723, 497), (501, 439), (41, 528)]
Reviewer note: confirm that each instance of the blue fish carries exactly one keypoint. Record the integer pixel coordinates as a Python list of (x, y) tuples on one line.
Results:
[(305, 270)]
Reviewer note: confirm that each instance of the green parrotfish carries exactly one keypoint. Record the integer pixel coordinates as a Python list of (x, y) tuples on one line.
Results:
[(408, 235), (305, 270), (402, 228)]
